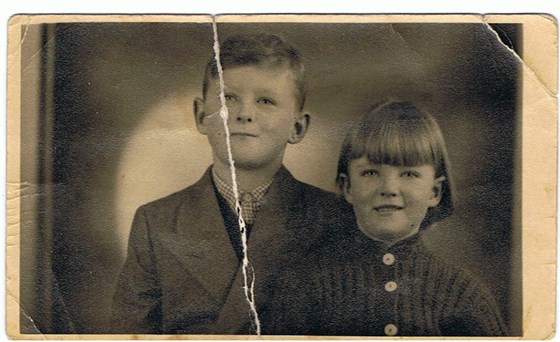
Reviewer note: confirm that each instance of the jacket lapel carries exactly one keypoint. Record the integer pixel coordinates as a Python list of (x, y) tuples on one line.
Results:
[(204, 248), (268, 239)]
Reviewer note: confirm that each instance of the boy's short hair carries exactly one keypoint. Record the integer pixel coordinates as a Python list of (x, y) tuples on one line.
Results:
[(397, 133), (258, 49)]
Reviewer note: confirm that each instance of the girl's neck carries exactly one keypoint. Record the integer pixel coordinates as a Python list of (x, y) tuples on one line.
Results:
[(388, 242)]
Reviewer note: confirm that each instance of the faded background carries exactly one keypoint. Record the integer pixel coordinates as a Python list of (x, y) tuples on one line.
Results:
[(107, 125)]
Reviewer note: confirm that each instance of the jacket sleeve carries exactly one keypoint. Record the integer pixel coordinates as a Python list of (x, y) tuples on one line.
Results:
[(475, 314), (137, 301)]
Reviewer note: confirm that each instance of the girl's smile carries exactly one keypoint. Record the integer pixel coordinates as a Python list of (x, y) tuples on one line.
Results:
[(387, 209)]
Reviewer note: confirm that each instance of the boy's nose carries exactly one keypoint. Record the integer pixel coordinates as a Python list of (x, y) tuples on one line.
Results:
[(245, 113), (243, 118)]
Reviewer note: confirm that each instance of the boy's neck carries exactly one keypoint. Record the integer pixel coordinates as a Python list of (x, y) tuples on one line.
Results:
[(247, 179)]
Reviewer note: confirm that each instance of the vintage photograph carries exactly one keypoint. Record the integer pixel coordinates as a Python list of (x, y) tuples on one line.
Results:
[(281, 175)]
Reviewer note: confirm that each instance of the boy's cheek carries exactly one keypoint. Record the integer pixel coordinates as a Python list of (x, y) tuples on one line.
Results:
[(211, 107), (216, 128)]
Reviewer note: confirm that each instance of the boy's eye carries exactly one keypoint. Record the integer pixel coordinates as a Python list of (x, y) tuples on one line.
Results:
[(230, 97), (369, 173), (266, 101)]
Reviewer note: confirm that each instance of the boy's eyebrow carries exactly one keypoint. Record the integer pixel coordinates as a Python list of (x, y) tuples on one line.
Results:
[(259, 91), (227, 86)]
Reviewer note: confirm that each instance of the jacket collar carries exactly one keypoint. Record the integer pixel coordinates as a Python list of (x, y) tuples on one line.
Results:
[(200, 241), (206, 251)]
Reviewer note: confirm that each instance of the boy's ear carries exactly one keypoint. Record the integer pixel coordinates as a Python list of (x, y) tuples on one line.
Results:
[(344, 183), (199, 115), (300, 128), (437, 191)]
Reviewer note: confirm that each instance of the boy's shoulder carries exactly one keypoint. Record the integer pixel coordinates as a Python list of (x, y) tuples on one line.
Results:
[(169, 200), (192, 193), (306, 191), (312, 191), (320, 207)]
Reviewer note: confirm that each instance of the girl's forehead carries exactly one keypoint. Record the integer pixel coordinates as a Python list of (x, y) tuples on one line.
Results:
[(364, 161)]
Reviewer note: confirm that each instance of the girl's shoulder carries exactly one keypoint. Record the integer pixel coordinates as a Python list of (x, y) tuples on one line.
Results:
[(446, 272)]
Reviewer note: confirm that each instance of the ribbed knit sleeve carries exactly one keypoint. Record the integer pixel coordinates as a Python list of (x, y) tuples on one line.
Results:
[(473, 312), (449, 301)]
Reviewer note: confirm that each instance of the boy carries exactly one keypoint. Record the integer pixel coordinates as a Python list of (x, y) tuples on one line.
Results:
[(182, 273)]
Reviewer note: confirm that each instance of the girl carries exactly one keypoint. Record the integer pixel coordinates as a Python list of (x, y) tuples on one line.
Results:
[(379, 280)]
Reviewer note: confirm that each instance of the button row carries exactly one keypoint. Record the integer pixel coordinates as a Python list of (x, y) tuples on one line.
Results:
[(390, 286)]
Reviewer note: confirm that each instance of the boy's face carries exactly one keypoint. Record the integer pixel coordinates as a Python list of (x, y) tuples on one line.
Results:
[(263, 115), (390, 202)]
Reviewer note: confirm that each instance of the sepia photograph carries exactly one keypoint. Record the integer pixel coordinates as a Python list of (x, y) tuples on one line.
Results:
[(281, 175)]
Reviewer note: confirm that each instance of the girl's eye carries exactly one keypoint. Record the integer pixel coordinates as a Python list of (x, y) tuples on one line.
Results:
[(369, 173), (410, 174), (266, 101)]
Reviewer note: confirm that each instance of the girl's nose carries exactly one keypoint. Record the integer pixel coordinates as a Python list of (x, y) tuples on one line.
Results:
[(389, 186)]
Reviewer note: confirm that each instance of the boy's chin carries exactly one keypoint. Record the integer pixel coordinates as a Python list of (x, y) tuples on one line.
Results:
[(247, 161), (250, 159), (249, 165)]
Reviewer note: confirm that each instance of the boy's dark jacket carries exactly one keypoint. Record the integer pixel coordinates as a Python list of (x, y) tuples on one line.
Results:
[(182, 274)]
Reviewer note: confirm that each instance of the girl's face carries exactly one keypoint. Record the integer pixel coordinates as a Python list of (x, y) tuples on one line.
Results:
[(390, 202)]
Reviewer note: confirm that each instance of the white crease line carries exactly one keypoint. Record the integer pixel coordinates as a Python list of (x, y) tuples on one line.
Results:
[(525, 66), (248, 270)]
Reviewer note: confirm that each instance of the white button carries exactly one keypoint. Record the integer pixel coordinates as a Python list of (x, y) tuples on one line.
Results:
[(391, 330), (388, 259), (390, 286)]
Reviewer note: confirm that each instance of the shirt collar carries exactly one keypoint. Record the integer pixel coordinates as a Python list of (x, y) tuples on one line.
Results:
[(249, 201)]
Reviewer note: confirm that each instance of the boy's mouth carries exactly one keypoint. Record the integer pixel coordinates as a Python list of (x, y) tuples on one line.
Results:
[(387, 208), (243, 134)]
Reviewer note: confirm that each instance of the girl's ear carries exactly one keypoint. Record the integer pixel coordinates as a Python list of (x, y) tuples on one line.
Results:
[(300, 128), (344, 182), (437, 191)]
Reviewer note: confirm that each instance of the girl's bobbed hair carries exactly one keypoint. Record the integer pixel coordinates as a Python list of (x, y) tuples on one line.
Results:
[(399, 134)]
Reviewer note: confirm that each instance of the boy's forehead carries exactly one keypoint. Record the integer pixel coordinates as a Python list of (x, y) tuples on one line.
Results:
[(271, 73), (264, 68)]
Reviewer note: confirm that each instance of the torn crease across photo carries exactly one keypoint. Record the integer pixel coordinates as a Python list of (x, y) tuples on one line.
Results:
[(248, 274), (281, 176)]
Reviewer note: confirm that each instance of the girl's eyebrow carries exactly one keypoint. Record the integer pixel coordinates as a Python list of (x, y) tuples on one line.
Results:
[(367, 166)]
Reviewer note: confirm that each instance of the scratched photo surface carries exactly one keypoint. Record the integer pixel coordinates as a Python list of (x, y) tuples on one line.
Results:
[(107, 125)]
